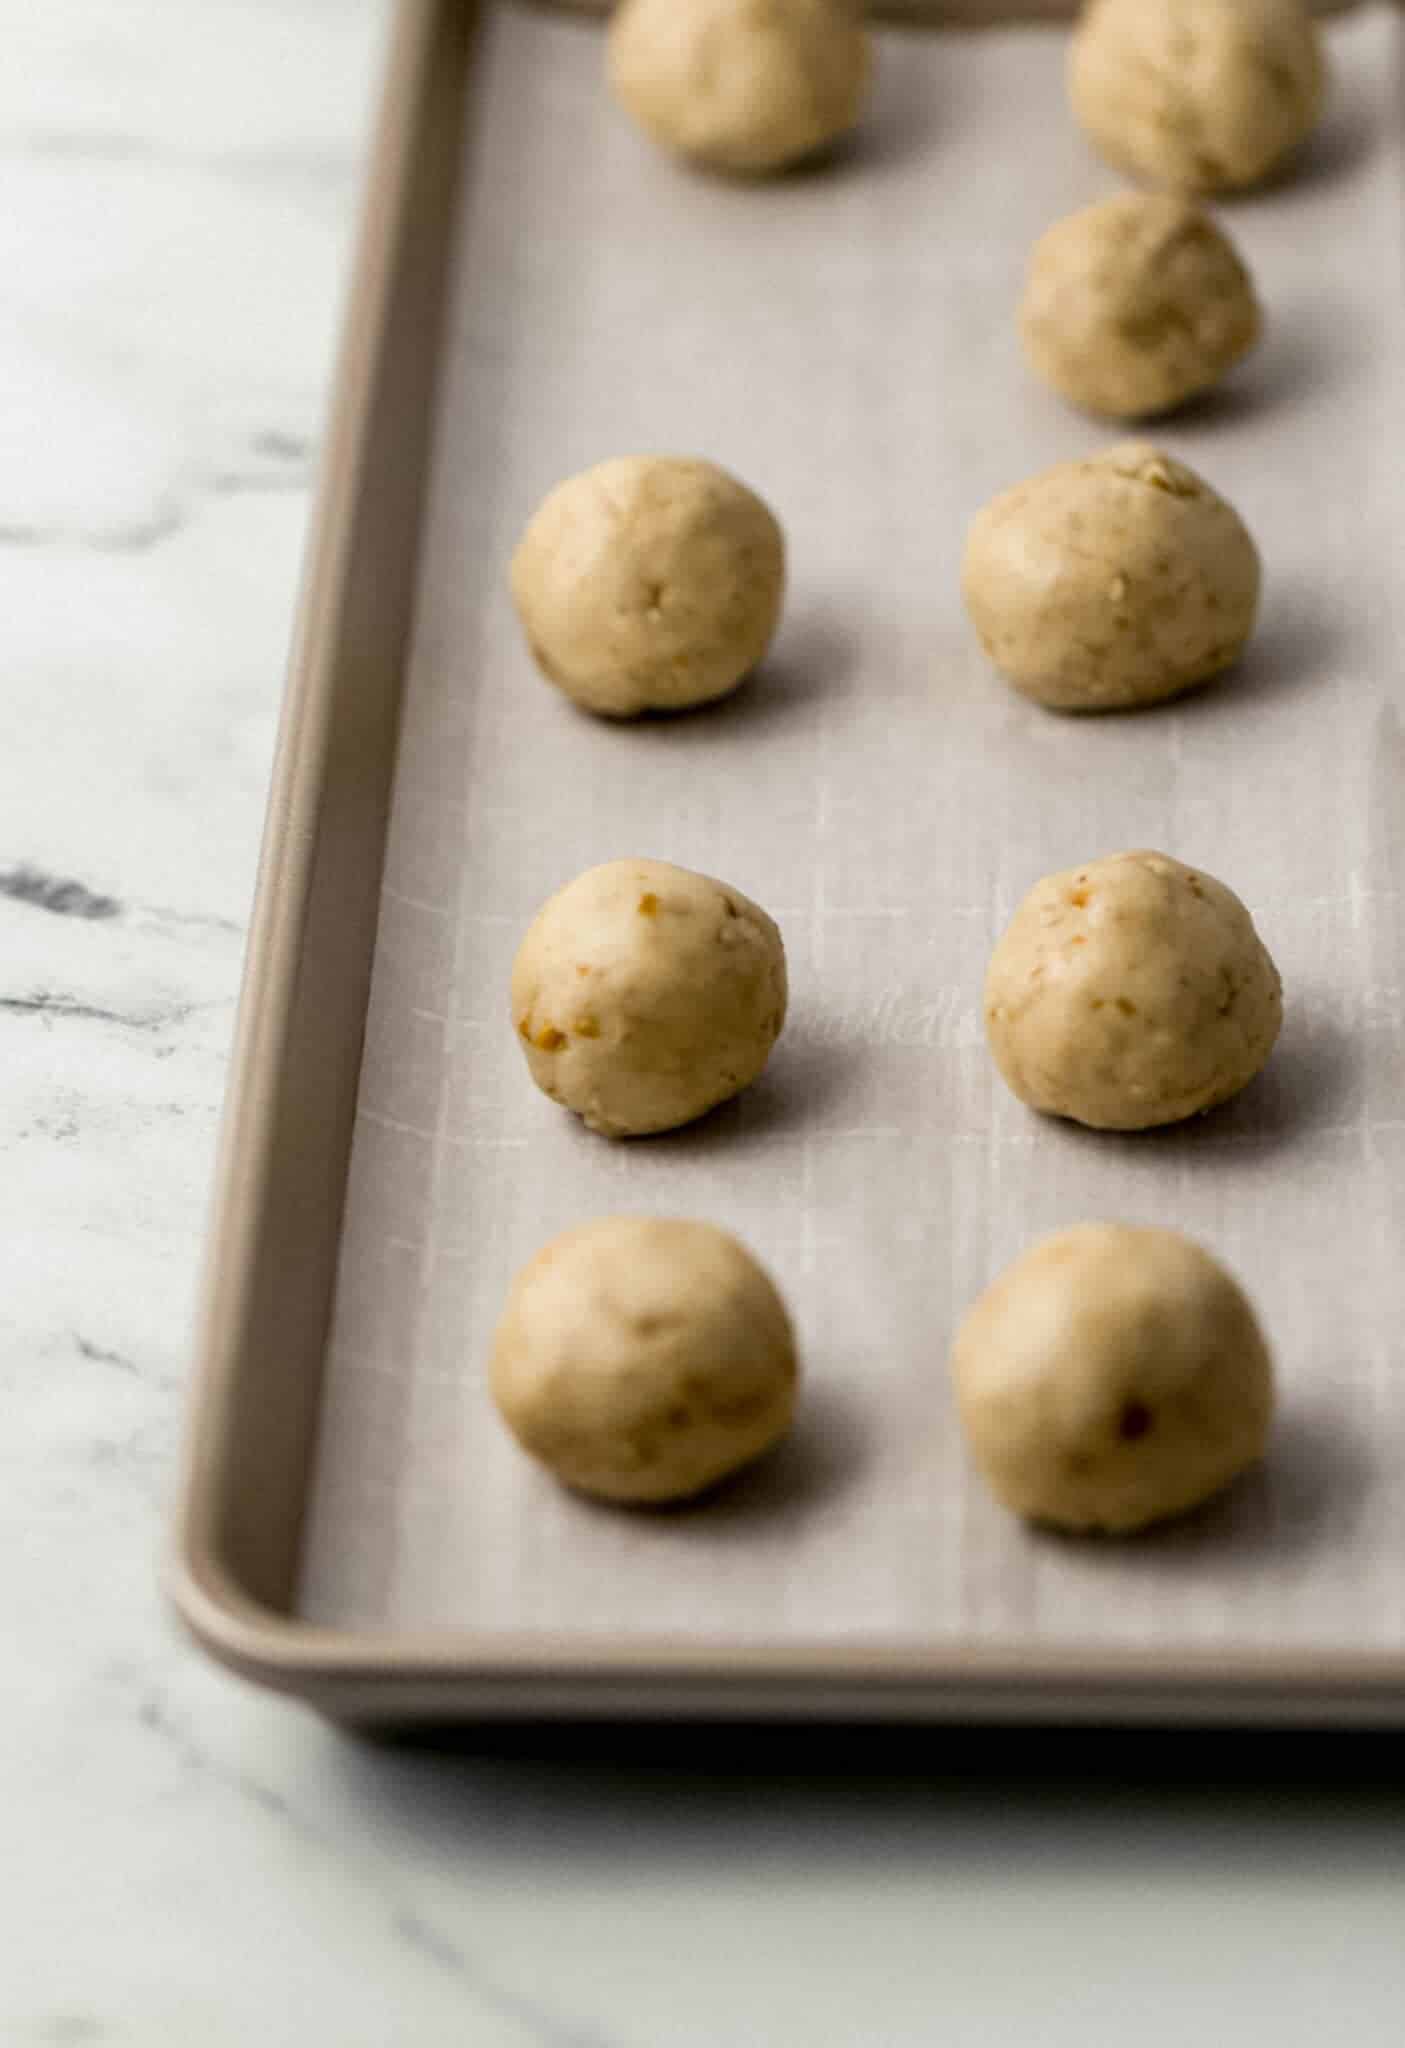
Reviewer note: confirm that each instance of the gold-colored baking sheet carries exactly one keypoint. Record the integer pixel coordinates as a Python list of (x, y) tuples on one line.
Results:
[(358, 1526)]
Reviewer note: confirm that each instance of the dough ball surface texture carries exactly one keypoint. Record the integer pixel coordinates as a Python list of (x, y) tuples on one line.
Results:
[(1135, 305), (1112, 1377), (1198, 95), (1112, 582), (643, 1360), (1130, 992), (743, 86), (643, 995), (649, 583)]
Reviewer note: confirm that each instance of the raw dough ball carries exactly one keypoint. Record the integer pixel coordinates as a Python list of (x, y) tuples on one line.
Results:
[(649, 584), (644, 995), (1112, 1377), (1112, 582), (643, 1360), (1200, 95), (1135, 305), (744, 86), (1131, 992)]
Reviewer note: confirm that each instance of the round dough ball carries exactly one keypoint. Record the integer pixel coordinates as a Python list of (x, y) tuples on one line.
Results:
[(1199, 95), (743, 86), (1131, 992), (1112, 582), (1112, 1377), (643, 1360), (650, 583), (1135, 305), (644, 995)]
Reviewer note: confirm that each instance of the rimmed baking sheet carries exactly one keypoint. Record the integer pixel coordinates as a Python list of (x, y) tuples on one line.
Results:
[(355, 1525)]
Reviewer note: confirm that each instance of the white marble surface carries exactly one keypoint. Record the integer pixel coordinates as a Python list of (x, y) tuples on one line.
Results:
[(188, 1862)]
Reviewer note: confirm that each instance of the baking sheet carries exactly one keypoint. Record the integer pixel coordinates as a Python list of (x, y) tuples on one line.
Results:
[(844, 341)]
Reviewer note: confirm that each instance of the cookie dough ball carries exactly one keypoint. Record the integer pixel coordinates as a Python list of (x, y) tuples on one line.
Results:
[(1135, 305), (1198, 95), (743, 86), (650, 583), (643, 1360), (1113, 582), (1131, 992), (643, 995), (1112, 1377)]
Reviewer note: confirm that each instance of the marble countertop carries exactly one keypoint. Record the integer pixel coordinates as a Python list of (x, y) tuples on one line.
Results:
[(188, 1861)]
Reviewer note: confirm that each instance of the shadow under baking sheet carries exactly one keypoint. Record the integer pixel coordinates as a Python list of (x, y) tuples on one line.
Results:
[(830, 1765), (845, 1887), (850, 1885)]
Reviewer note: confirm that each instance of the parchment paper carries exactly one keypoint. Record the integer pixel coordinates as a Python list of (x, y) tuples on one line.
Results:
[(844, 340)]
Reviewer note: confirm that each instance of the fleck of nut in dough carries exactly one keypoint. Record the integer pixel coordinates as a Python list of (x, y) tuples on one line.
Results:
[(649, 583), (687, 995), (642, 1360), (1113, 582), (1197, 95), (1131, 992), (1112, 1377), (1135, 305), (746, 87)]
